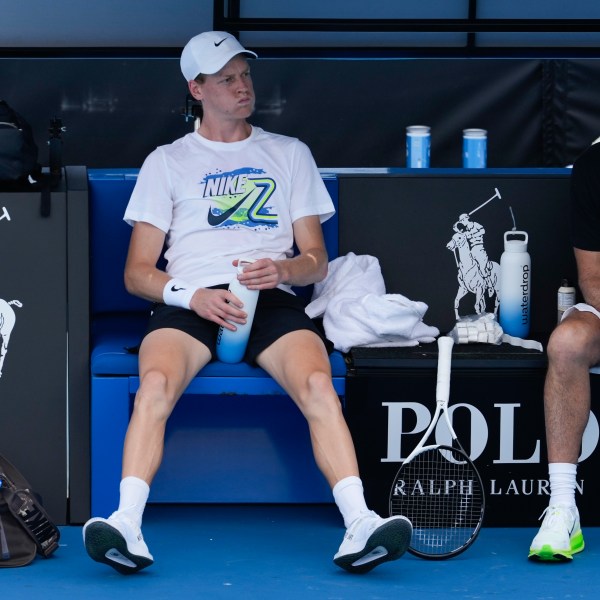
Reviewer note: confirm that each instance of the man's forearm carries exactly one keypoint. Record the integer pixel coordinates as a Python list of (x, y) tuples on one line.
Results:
[(306, 268)]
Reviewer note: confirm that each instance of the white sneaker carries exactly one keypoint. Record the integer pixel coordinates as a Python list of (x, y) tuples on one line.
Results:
[(371, 540), (559, 536), (118, 542)]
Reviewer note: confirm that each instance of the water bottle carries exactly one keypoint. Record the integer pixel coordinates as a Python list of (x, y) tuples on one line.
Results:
[(515, 285), (418, 143), (565, 298), (231, 345), (474, 148)]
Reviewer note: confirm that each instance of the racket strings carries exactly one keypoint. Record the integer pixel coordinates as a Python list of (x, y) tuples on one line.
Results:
[(442, 495)]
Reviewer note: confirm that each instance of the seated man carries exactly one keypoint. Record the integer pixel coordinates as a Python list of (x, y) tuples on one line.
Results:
[(226, 191), (573, 348)]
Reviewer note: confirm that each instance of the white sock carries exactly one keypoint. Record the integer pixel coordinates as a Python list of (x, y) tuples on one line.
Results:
[(134, 495), (349, 496), (562, 483)]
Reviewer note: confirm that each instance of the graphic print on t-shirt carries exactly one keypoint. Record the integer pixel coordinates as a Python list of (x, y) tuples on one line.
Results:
[(239, 199)]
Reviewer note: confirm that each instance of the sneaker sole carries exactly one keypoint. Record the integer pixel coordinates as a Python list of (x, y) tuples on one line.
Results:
[(548, 554), (102, 539), (392, 538)]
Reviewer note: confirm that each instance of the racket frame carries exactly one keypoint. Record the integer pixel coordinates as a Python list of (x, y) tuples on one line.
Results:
[(445, 345)]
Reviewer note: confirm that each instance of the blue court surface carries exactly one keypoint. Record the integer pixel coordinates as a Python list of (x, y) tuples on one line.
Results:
[(285, 552)]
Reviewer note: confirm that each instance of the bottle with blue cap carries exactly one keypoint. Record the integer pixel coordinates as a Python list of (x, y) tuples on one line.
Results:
[(231, 345)]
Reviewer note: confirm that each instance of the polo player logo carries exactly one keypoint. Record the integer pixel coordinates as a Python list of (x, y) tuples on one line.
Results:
[(7, 322), (477, 274)]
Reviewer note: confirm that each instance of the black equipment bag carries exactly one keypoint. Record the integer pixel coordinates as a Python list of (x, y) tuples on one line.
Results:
[(25, 527), (18, 150), (19, 167)]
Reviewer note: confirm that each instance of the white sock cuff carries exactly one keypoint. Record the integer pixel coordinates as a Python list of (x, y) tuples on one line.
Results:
[(133, 497), (142, 486), (562, 468), (562, 483), (348, 494), (342, 484)]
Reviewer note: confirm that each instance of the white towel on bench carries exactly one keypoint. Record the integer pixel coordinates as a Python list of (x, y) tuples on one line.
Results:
[(356, 310)]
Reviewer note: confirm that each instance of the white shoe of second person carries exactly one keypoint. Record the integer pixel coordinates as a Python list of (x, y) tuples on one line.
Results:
[(559, 536)]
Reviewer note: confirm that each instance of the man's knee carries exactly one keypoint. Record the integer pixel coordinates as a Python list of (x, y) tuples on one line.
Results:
[(321, 398), (574, 340), (319, 383), (153, 394), (154, 380)]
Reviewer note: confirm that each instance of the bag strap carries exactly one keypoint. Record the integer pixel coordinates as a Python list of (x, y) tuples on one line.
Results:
[(4, 551), (55, 147), (55, 164)]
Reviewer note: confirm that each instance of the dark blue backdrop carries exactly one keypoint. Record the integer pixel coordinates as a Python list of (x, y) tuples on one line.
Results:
[(352, 113)]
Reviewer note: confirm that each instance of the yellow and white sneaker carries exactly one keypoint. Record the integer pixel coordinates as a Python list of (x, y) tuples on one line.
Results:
[(559, 536)]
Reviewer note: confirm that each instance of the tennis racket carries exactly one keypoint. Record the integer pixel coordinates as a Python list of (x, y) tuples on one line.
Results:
[(438, 487)]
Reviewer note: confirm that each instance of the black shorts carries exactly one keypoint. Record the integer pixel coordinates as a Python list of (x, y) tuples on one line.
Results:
[(277, 313)]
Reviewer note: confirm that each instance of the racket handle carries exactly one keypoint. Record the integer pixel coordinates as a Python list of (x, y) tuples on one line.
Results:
[(445, 344)]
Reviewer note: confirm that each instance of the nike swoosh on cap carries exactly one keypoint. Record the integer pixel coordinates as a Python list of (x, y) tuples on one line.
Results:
[(219, 43)]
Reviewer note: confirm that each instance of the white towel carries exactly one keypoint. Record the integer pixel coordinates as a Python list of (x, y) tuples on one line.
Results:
[(349, 276), (357, 312)]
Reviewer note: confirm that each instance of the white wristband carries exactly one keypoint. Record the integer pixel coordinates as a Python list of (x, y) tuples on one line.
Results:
[(178, 293)]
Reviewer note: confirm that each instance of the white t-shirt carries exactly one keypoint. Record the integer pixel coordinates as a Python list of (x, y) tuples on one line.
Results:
[(219, 201)]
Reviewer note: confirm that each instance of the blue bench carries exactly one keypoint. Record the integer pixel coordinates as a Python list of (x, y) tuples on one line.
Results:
[(221, 446)]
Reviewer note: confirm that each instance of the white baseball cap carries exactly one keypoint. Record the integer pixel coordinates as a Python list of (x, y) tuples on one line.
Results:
[(209, 52)]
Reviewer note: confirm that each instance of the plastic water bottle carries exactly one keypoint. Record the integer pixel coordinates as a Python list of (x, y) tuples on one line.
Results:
[(231, 345), (474, 148), (565, 298), (418, 144), (515, 285)]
